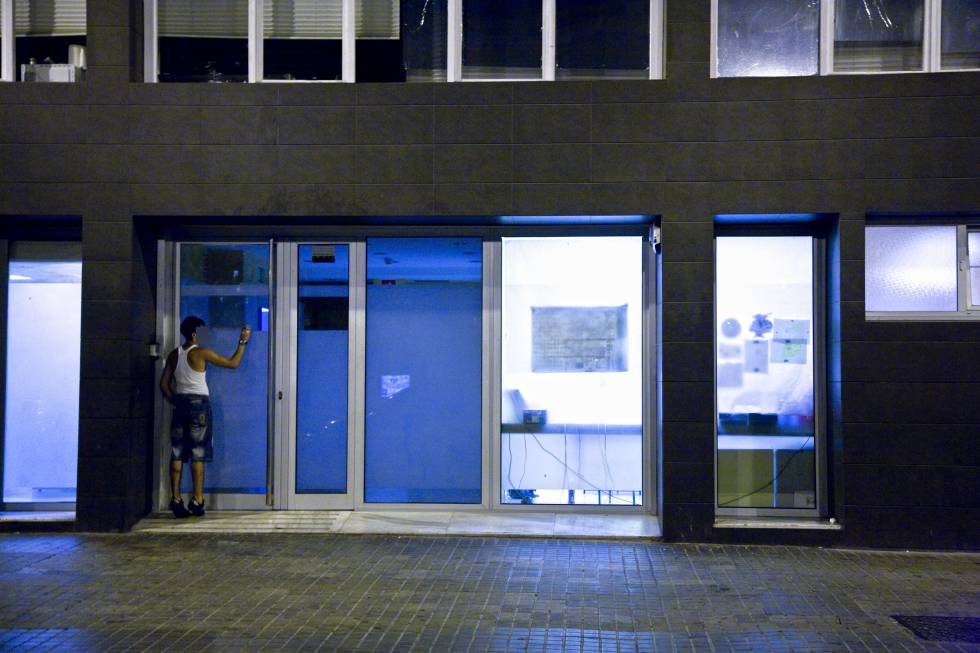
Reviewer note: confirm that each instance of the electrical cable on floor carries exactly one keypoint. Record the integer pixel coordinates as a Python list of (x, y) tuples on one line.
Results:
[(774, 478), (572, 471)]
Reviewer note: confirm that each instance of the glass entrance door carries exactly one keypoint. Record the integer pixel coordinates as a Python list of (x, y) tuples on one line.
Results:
[(317, 329), (229, 286), (282, 421)]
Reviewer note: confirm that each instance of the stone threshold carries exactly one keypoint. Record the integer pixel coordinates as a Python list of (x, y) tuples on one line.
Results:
[(429, 522), (785, 524)]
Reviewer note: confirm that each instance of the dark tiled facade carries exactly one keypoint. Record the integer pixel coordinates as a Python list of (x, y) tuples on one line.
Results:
[(904, 462)]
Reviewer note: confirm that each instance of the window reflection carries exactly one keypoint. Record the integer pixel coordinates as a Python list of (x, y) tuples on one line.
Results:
[(878, 35), (501, 39), (768, 38), (960, 34)]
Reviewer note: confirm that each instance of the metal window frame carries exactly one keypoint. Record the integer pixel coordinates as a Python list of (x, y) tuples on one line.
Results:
[(280, 478), (965, 311), (549, 14), (931, 42), (650, 380), (256, 44), (819, 270)]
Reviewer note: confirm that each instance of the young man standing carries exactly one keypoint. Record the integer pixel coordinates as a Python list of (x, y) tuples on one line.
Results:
[(184, 385)]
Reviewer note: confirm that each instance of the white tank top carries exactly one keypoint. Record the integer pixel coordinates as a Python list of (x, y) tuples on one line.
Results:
[(188, 381)]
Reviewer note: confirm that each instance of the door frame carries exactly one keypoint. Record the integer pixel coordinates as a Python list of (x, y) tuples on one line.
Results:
[(285, 376), (282, 449)]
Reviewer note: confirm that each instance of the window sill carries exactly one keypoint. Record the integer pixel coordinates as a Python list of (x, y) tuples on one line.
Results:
[(785, 524), (963, 316)]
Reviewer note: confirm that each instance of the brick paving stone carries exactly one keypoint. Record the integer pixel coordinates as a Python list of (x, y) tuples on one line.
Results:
[(323, 592)]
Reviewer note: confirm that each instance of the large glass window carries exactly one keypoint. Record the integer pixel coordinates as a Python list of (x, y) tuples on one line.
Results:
[(50, 40), (302, 39), (571, 371), (424, 39), (44, 310), (878, 35), (502, 39), (424, 352), (203, 41), (765, 373), (763, 38), (910, 268), (378, 47), (608, 39), (322, 336), (960, 34), (228, 287)]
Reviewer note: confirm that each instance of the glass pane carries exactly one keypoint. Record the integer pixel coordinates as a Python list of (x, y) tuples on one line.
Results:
[(44, 311), (768, 38), (51, 40), (501, 39), (961, 34), (303, 39), (378, 45), (973, 243), (878, 35), (765, 372), (424, 349), (424, 39), (571, 365), (203, 41), (228, 287), (910, 268), (321, 369), (608, 40)]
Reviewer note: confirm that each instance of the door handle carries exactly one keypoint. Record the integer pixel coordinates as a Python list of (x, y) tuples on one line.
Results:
[(279, 395)]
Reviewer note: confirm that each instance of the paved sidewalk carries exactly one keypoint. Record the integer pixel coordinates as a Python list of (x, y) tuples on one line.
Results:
[(292, 592)]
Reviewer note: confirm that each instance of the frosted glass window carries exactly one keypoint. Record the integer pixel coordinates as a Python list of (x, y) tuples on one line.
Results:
[(44, 311), (228, 287), (878, 35), (768, 38), (602, 40), (571, 387), (765, 372), (502, 39), (910, 268), (424, 351), (321, 369), (973, 243), (960, 34)]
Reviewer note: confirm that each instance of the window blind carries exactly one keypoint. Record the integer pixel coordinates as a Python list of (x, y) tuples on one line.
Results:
[(322, 19), (377, 19), (207, 18), (49, 17), (303, 19)]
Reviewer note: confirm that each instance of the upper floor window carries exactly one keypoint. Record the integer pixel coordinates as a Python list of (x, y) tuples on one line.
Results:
[(922, 271), (766, 38), (42, 40), (401, 40)]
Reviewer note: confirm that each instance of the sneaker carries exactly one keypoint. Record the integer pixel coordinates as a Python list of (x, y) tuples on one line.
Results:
[(177, 507), (195, 508)]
